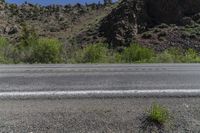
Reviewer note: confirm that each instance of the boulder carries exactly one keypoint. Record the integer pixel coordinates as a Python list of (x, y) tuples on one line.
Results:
[(11, 30)]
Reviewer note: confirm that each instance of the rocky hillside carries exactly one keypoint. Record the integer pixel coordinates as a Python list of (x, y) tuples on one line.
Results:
[(139, 20), (158, 24), (57, 21)]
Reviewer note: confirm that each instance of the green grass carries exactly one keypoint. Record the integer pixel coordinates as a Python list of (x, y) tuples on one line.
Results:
[(191, 56), (94, 53), (3, 47), (42, 50), (175, 55), (136, 53), (45, 50), (99, 53), (5, 51), (158, 114)]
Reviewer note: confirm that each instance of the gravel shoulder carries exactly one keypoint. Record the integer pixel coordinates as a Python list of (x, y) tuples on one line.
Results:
[(97, 115)]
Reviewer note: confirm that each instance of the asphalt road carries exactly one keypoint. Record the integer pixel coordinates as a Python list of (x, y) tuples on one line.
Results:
[(26, 81), (98, 98)]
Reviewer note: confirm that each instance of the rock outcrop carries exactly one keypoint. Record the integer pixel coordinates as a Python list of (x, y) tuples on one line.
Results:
[(135, 16)]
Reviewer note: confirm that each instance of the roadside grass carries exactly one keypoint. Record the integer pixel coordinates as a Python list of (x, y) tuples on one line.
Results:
[(158, 114), (157, 119), (2, 47), (6, 51), (33, 49), (174, 55), (46, 51), (94, 53), (136, 53), (191, 56)]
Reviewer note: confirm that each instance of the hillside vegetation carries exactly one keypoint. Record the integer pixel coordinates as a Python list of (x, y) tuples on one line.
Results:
[(130, 31)]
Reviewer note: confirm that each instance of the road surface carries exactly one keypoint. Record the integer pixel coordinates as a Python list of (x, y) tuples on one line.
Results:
[(26, 81), (97, 98)]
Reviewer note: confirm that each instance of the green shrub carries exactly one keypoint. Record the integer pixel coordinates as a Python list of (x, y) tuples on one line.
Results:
[(114, 57), (173, 55), (191, 56), (117, 58), (136, 53), (3, 44), (24, 53), (5, 51), (68, 53), (164, 57), (28, 36), (46, 51), (158, 114), (96, 53), (28, 40)]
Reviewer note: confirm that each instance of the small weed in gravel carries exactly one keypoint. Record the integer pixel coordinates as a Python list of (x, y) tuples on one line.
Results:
[(158, 114)]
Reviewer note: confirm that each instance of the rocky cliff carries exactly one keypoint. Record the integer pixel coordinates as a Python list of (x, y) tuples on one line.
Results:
[(131, 17)]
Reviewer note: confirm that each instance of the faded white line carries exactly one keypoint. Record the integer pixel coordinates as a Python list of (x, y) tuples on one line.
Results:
[(103, 93)]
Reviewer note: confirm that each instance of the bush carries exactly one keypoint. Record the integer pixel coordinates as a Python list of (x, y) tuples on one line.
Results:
[(46, 51), (96, 53), (158, 114), (172, 55), (28, 40), (164, 57), (5, 51), (117, 58), (68, 52), (136, 53), (113, 57), (3, 44), (191, 56)]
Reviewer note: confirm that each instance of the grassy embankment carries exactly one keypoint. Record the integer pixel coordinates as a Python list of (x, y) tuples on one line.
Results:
[(36, 50)]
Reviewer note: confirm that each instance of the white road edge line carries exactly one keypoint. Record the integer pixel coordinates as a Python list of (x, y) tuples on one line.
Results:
[(102, 93)]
